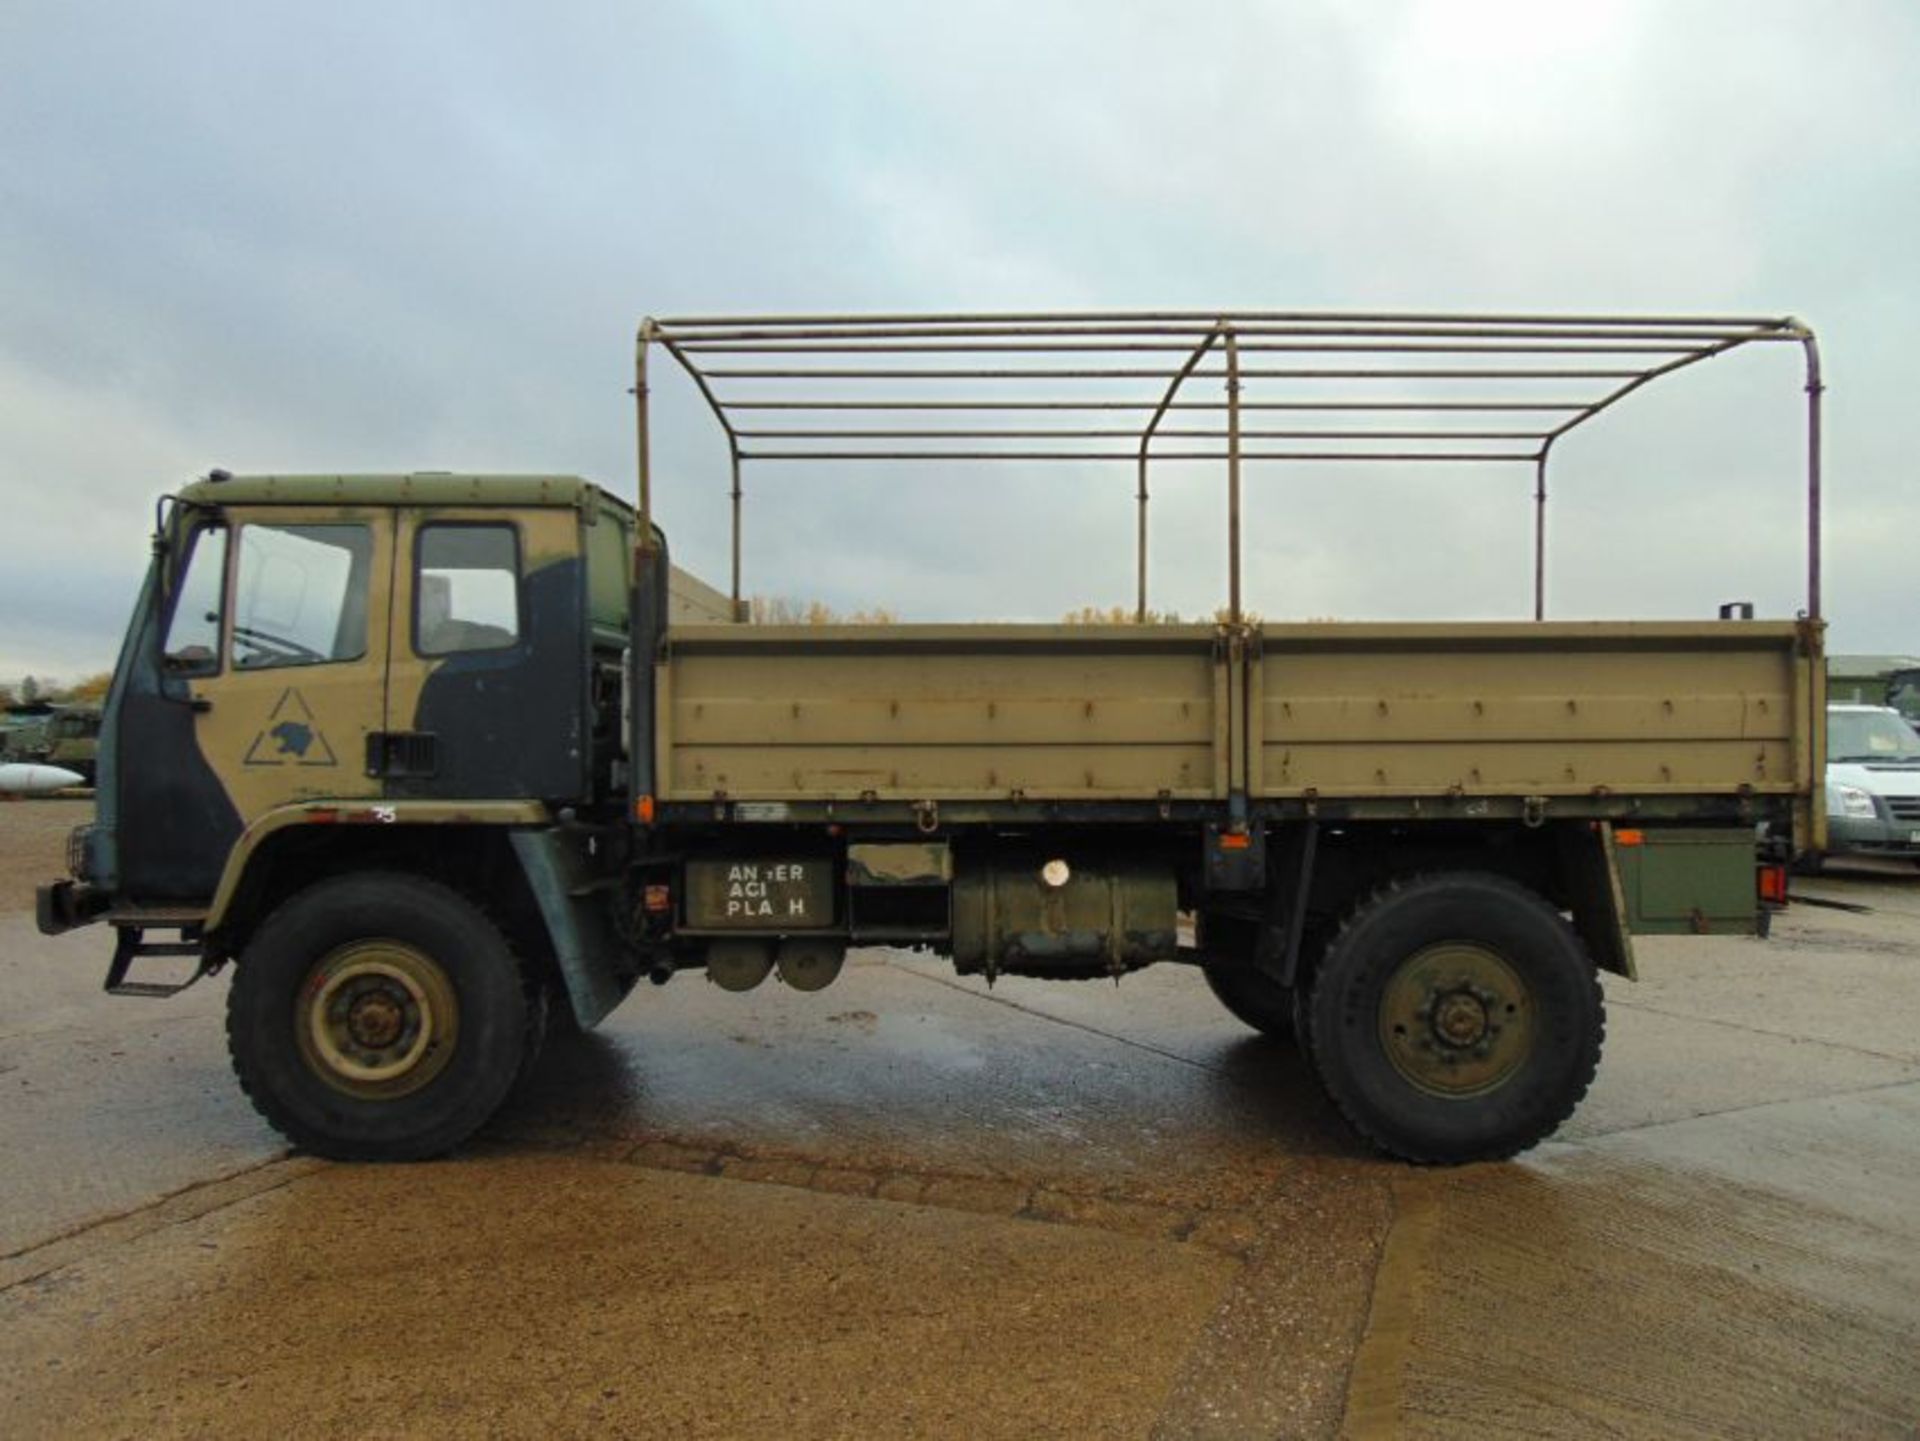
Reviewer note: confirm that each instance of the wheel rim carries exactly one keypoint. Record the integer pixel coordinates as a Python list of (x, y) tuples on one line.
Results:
[(377, 1019), (1456, 1019)]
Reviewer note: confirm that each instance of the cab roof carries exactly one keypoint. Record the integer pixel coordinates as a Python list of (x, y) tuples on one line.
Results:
[(420, 487)]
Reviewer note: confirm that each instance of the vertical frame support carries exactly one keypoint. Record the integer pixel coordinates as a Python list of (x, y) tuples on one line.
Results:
[(733, 446), (1815, 389), (642, 439), (1140, 546), (1146, 441), (1233, 474), (736, 495), (1540, 532)]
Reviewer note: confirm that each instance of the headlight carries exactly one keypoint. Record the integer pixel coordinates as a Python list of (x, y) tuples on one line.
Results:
[(1855, 802)]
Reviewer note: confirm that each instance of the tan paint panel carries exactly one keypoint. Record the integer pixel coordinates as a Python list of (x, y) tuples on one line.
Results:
[(938, 711), (1562, 709), (1370, 768), (386, 813), (1583, 717), (338, 702), (958, 712), (422, 488), (690, 598), (827, 721), (1718, 636), (939, 772)]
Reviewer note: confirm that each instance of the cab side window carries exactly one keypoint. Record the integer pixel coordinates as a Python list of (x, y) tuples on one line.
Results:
[(300, 595), (193, 631), (466, 588)]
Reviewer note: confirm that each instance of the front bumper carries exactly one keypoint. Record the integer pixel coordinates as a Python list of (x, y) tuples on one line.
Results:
[(66, 906), (1857, 835)]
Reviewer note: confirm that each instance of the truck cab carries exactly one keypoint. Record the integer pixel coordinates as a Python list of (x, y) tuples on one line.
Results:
[(386, 644)]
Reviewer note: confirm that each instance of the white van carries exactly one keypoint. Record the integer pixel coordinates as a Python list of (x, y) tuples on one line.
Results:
[(1873, 782)]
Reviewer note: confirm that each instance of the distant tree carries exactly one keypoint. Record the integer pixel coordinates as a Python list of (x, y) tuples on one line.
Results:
[(785, 610), (1118, 615), (29, 690), (6, 696), (90, 690), (775, 610)]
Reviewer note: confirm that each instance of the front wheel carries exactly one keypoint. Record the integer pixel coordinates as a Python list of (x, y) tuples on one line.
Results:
[(1456, 1017), (377, 1017)]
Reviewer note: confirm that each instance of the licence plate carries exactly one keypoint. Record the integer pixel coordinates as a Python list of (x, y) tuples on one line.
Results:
[(1913, 837), (760, 894)]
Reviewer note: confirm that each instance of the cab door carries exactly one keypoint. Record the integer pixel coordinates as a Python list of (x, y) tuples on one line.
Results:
[(487, 685), (270, 675), (305, 680)]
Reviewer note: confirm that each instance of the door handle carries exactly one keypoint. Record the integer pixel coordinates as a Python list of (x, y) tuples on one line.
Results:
[(198, 704)]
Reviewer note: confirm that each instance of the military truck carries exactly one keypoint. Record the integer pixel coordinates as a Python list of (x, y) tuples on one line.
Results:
[(434, 760)]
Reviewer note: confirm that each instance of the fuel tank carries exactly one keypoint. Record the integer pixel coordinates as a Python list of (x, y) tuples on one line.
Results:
[(1061, 918)]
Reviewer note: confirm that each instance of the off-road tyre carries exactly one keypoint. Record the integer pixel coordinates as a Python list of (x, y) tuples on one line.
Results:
[(1252, 996), (1547, 1016), (284, 968)]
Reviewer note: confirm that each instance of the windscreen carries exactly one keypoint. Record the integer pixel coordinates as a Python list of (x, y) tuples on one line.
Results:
[(1871, 736)]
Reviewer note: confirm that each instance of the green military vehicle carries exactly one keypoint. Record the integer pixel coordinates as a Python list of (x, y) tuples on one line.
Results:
[(1871, 679), (430, 757), (73, 740), (57, 735), (23, 731), (1903, 692)]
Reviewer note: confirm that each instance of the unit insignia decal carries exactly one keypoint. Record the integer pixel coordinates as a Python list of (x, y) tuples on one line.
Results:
[(290, 736)]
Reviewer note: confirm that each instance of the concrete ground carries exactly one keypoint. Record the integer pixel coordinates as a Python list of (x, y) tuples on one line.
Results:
[(911, 1206)]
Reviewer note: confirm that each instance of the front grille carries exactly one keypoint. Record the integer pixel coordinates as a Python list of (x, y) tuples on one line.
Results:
[(1904, 808)]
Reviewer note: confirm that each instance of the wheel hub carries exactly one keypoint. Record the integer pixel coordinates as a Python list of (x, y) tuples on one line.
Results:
[(1460, 1019), (377, 1019), (1456, 1019)]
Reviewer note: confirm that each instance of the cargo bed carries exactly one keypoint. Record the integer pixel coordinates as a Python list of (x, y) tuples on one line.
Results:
[(1622, 714)]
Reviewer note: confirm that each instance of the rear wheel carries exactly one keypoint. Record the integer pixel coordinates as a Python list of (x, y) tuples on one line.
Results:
[(1227, 946), (1455, 1018), (378, 1016)]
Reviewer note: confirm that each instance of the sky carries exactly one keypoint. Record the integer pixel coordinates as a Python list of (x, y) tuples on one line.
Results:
[(362, 237)]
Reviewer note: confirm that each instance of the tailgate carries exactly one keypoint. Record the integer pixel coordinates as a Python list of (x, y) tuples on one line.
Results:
[(1553, 708)]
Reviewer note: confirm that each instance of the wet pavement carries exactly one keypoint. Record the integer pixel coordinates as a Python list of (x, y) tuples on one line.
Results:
[(907, 1205)]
